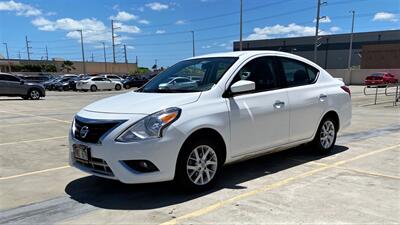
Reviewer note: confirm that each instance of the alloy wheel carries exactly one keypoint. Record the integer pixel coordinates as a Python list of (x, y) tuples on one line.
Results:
[(34, 94), (327, 135), (202, 165)]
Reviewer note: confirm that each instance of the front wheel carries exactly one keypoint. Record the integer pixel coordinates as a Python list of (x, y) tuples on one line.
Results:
[(325, 137), (199, 165), (93, 88), (34, 94), (117, 87)]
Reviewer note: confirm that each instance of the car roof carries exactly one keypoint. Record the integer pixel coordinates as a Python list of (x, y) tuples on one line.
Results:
[(239, 54)]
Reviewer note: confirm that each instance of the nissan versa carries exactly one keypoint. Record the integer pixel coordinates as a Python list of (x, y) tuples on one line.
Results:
[(204, 112)]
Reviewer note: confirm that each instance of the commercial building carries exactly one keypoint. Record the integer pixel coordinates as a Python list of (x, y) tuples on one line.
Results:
[(371, 50), (77, 67)]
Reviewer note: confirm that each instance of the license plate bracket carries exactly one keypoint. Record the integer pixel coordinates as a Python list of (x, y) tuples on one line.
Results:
[(81, 152)]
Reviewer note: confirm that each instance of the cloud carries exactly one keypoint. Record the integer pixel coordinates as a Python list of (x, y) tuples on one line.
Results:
[(127, 28), (206, 46), (144, 21), (385, 16), (156, 6), (130, 47), (324, 19), (276, 31), (160, 32), (40, 21), (180, 22), (334, 29), (140, 9), (20, 8), (123, 16)]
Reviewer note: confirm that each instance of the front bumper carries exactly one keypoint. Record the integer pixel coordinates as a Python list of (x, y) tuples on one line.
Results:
[(162, 152)]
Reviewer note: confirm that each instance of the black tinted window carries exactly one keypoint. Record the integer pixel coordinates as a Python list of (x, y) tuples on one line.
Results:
[(298, 73), (97, 79), (260, 71), (9, 78)]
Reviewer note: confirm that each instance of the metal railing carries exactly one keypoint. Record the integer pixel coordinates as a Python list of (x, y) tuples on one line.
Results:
[(389, 90)]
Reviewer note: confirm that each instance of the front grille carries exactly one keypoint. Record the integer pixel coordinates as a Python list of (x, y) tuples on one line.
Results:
[(96, 165), (95, 129)]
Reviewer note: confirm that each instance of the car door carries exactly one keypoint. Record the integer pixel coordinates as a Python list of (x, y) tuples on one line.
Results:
[(3, 85), (14, 85), (108, 83), (259, 120), (307, 100)]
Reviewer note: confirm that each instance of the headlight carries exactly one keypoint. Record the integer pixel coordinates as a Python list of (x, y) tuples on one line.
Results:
[(151, 126)]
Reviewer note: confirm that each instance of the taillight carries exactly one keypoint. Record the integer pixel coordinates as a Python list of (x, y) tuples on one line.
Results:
[(346, 89)]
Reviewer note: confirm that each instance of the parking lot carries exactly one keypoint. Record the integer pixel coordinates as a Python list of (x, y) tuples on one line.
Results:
[(358, 183)]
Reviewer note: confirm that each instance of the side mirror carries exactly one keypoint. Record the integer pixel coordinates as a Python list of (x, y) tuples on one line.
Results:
[(243, 86)]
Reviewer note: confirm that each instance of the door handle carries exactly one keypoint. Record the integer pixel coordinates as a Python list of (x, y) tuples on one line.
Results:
[(322, 97), (279, 104)]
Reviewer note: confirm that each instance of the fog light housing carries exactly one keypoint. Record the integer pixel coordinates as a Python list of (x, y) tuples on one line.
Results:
[(142, 166)]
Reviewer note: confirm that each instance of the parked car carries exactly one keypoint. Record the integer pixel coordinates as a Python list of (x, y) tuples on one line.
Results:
[(113, 77), (64, 83), (178, 83), (134, 81), (36, 79), (11, 85), (98, 83), (246, 103), (49, 85), (381, 78)]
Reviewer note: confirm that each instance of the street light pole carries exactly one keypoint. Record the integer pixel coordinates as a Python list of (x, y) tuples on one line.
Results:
[(83, 52), (105, 57), (8, 57), (351, 39), (193, 48), (241, 26), (317, 30)]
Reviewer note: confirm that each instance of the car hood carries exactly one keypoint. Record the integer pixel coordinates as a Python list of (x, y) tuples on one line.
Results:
[(141, 103)]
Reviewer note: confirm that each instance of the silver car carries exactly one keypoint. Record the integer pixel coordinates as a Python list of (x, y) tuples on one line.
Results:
[(11, 85)]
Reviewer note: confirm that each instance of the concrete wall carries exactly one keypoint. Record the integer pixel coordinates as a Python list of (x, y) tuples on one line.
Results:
[(357, 76)]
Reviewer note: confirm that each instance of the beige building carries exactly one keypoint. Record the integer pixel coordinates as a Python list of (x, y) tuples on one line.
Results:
[(91, 67)]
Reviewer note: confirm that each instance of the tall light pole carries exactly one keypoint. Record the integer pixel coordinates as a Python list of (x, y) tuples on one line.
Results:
[(8, 57), (105, 57), (47, 54), (193, 48), (351, 39), (241, 26), (317, 29), (83, 52), (28, 48)]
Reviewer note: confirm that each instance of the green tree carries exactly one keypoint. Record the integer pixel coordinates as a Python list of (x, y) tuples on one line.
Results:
[(67, 66)]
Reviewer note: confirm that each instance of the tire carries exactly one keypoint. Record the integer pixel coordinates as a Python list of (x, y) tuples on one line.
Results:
[(34, 94), (93, 88), (117, 87), (325, 138), (127, 86), (189, 179)]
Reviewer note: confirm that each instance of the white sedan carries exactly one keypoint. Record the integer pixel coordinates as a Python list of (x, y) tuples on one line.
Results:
[(98, 83), (245, 104)]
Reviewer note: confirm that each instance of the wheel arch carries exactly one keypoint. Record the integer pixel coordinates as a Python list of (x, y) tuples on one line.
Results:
[(41, 92), (335, 116)]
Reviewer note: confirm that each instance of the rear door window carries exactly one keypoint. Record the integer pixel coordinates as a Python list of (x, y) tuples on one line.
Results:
[(297, 73)]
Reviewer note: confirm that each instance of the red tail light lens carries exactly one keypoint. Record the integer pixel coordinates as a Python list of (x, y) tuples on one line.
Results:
[(346, 89)]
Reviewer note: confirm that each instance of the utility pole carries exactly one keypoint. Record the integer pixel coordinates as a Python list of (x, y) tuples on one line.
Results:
[(241, 26), (351, 39), (317, 29), (193, 48), (113, 36), (28, 49), (92, 58), (83, 52), (105, 57), (136, 61), (126, 57), (19, 54), (8, 58), (47, 54)]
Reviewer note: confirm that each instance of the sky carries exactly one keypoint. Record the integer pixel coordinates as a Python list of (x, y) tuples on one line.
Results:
[(161, 30)]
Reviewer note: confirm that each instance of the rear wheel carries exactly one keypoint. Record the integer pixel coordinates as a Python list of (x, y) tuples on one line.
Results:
[(34, 94), (127, 86), (325, 138), (117, 87), (93, 88), (199, 165)]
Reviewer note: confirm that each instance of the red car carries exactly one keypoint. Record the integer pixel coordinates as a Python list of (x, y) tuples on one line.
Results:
[(381, 78)]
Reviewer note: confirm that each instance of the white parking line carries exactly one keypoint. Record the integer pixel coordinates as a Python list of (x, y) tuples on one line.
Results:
[(27, 114), (34, 140), (35, 172)]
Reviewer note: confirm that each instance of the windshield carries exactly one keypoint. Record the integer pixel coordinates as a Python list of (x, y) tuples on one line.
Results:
[(190, 75)]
